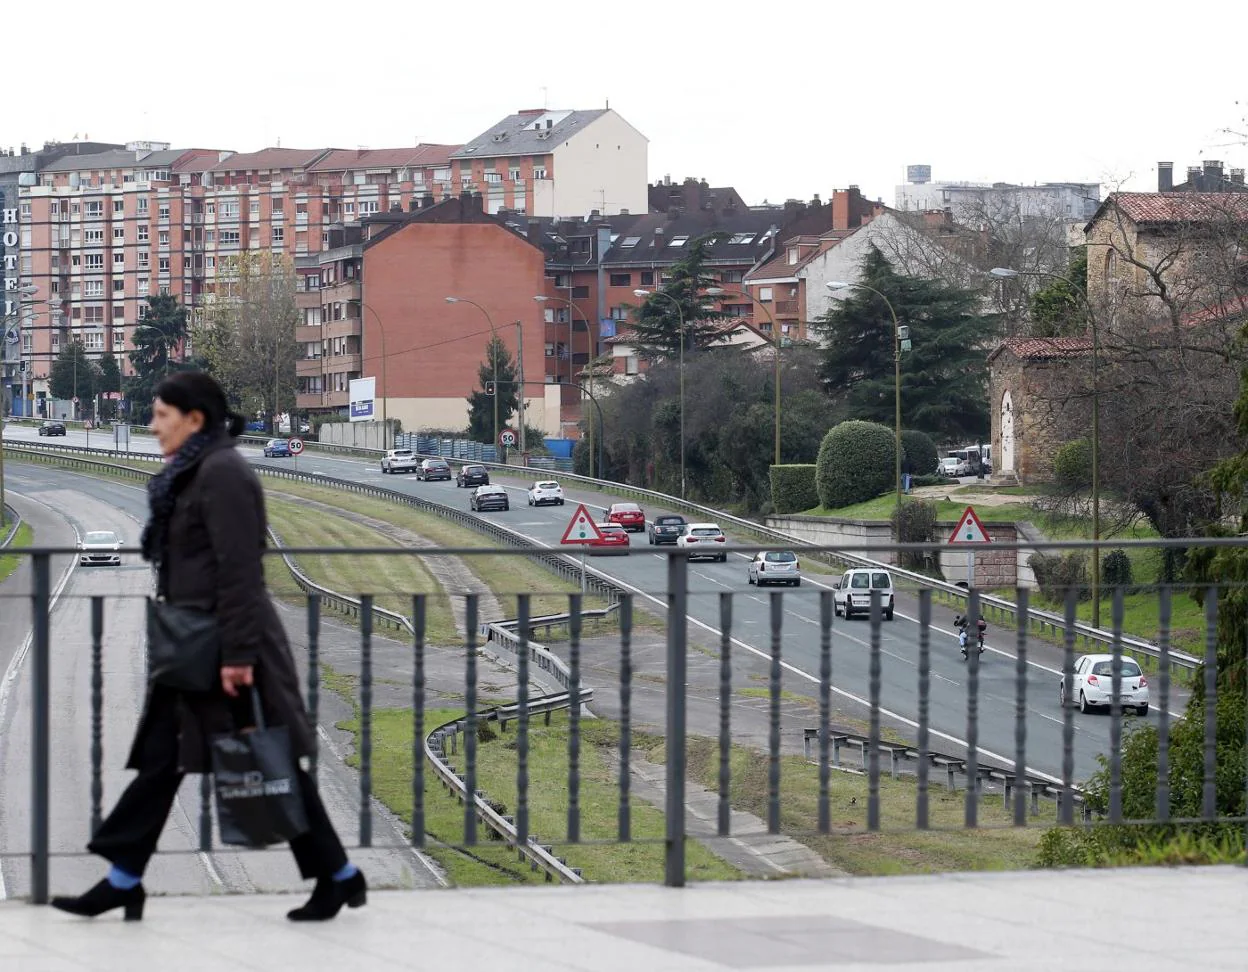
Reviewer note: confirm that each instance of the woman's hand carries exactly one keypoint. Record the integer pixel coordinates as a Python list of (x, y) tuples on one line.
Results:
[(234, 676)]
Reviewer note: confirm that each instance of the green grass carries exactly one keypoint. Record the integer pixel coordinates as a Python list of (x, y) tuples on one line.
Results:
[(10, 561), (881, 508)]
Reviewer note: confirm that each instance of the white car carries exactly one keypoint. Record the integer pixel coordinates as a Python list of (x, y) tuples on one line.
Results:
[(853, 591), (99, 549), (399, 461), (703, 540), (954, 467), (1093, 684), (774, 567), (546, 492)]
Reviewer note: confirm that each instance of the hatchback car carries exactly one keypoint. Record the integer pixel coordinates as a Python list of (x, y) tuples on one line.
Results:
[(628, 515), (614, 541), (472, 476), (703, 540), (489, 498), (545, 492), (853, 591), (666, 528), (1093, 684), (775, 567), (433, 469), (275, 448), (52, 428), (99, 549)]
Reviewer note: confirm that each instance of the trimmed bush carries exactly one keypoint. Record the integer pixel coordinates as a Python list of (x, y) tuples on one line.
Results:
[(793, 488), (1072, 466), (934, 480), (915, 522), (918, 449), (1116, 569), (1056, 574), (855, 464)]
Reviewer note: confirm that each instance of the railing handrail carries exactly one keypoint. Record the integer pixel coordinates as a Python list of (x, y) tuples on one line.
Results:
[(15, 521)]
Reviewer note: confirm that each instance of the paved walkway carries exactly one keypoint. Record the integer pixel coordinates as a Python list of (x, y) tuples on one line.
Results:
[(1143, 920)]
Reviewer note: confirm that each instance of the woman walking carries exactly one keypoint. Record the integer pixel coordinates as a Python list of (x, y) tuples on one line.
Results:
[(205, 538)]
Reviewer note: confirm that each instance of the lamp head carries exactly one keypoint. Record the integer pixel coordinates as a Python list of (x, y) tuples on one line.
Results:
[(1005, 273)]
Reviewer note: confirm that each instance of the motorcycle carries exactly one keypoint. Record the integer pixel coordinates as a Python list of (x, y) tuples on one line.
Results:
[(962, 623)]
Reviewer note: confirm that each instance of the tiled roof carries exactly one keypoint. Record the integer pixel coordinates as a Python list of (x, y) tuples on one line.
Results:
[(515, 134), (752, 232), (120, 159), (1179, 207), (1043, 349), (341, 160), (202, 160), (779, 267), (271, 158)]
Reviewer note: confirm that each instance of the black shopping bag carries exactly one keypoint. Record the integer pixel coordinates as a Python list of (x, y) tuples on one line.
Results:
[(258, 797)]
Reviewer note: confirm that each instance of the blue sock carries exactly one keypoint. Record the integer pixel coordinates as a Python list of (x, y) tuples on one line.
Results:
[(346, 872), (122, 880)]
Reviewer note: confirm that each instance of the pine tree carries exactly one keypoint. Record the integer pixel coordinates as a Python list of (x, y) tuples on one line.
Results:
[(656, 323), (481, 405)]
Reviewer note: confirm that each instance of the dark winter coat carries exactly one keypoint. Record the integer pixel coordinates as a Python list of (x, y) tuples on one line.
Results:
[(215, 563)]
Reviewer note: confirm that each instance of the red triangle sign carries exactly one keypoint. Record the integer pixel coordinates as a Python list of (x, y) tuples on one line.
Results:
[(581, 528), (970, 529)]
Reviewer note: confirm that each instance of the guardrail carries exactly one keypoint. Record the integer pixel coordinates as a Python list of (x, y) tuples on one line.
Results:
[(15, 521)]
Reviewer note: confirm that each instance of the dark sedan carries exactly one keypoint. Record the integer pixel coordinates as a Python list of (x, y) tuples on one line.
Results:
[(52, 428), (472, 476), (489, 498), (666, 528)]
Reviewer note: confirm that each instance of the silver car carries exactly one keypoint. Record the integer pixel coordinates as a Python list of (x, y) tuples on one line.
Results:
[(99, 549), (775, 567)]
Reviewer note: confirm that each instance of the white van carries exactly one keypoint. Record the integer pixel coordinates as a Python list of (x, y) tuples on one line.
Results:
[(853, 591)]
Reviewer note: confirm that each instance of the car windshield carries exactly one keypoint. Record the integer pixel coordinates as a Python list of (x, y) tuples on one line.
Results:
[(610, 528), (781, 557), (402, 453), (546, 486), (1129, 668), (435, 464), (705, 532), (100, 536), (485, 490), (626, 508)]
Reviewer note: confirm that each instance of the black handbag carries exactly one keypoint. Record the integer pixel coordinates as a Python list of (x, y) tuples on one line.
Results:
[(183, 647), (259, 801)]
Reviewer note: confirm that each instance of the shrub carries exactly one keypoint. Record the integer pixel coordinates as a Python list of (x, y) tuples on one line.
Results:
[(918, 449), (934, 480), (1056, 574), (1116, 569), (1072, 466), (793, 488), (856, 463), (915, 522)]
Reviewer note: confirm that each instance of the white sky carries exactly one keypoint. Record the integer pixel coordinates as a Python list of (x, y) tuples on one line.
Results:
[(780, 101)]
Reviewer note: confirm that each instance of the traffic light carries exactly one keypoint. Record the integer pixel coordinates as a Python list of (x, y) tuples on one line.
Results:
[(489, 388)]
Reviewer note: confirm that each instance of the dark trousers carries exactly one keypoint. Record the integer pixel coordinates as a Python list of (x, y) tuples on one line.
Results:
[(128, 835)]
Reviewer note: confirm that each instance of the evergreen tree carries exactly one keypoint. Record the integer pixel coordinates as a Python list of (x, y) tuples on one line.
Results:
[(1058, 309), (944, 377), (74, 375), (110, 383), (156, 341), (498, 367), (656, 323)]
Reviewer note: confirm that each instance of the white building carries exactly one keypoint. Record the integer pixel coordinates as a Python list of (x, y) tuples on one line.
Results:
[(974, 203)]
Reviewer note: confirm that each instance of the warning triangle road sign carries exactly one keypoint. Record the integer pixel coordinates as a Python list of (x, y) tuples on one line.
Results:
[(970, 529), (581, 528)]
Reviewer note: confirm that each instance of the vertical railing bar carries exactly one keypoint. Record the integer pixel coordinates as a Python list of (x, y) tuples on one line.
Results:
[(773, 714), (470, 719), (1022, 595), (624, 813), (41, 766), (724, 810), (873, 730), (419, 607), (205, 813), (1209, 790), (523, 613), (827, 615), (972, 710), (677, 662), (921, 808), (575, 607), (1162, 810), (366, 720), (1066, 812), (97, 712), (1115, 711), (313, 606)]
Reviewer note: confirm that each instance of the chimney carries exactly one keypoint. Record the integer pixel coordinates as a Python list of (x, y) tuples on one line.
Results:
[(1165, 176), (534, 232), (25, 150), (426, 200), (1213, 175), (659, 242), (1194, 178), (1237, 177)]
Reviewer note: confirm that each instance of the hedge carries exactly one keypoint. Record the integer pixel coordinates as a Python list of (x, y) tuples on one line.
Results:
[(918, 449), (855, 464), (793, 488)]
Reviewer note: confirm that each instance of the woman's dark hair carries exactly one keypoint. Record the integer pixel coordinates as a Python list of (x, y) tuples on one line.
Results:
[(197, 391)]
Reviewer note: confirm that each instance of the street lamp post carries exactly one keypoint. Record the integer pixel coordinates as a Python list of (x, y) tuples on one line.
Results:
[(719, 291), (519, 326), (1007, 273), (834, 286), (680, 313), (542, 299), (381, 332)]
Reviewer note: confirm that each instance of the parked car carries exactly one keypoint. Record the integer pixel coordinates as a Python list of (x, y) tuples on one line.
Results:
[(99, 549), (1093, 684), (399, 461), (545, 492), (614, 541), (628, 515), (774, 567), (666, 528), (52, 428), (489, 498), (954, 467), (433, 469), (702, 540), (275, 448), (853, 591), (472, 476)]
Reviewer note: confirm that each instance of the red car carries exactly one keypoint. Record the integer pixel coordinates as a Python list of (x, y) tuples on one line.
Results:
[(614, 541), (628, 515)]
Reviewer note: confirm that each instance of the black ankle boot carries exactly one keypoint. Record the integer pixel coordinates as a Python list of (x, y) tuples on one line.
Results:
[(104, 897), (329, 896)]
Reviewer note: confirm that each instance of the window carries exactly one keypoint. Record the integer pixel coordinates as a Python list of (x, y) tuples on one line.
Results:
[(679, 240), (164, 211), (186, 263), (163, 265), (368, 207), (279, 235), (630, 241), (25, 210), (119, 234), (348, 209), (27, 265), (119, 286), (229, 209), (647, 278), (94, 261), (514, 173), (119, 205), (144, 287), (580, 293), (119, 313), (143, 234), (621, 280), (144, 259), (619, 313), (229, 237), (75, 260), (764, 294), (93, 288), (93, 340), (279, 205), (740, 239), (794, 253), (119, 339), (210, 236), (630, 365), (119, 260), (493, 177), (95, 208), (210, 262), (93, 314), (539, 172), (95, 236), (143, 205), (164, 238), (254, 207)]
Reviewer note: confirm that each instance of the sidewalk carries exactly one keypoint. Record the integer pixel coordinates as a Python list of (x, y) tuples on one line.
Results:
[(1141, 919)]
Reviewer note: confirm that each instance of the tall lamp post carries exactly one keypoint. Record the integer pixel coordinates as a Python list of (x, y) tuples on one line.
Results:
[(1006, 273), (542, 299), (386, 441), (680, 313), (718, 291), (837, 285)]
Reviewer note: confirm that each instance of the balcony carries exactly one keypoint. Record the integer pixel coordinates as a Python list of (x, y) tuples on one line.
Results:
[(787, 308), (309, 367), (308, 333)]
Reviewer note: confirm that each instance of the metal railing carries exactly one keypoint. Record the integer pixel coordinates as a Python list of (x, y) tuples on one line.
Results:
[(14, 521)]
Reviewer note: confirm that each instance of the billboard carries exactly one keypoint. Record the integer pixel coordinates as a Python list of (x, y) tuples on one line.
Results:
[(362, 393)]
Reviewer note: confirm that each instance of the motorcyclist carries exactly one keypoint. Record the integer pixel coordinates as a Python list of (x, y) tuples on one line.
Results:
[(962, 623)]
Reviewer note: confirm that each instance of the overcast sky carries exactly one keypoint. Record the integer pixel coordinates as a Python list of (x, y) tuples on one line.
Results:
[(780, 101)]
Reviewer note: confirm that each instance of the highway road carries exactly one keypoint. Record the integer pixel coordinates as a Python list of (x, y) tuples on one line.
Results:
[(644, 571), (62, 506)]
